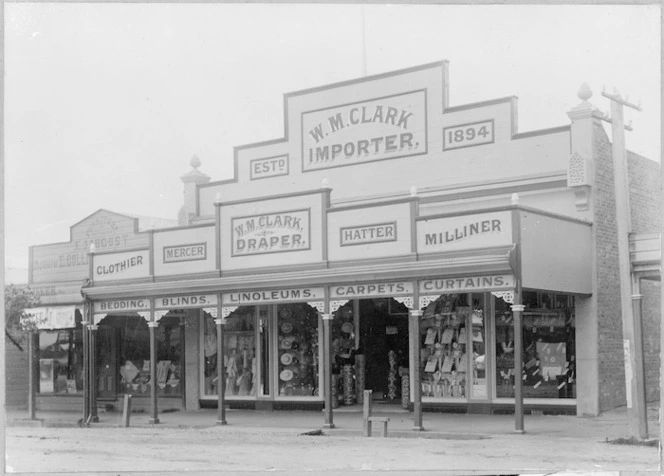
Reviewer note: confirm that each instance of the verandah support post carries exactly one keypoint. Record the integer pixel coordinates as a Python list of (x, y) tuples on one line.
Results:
[(517, 310), (32, 398), (327, 369), (221, 374), (152, 325), (93, 374), (414, 333), (642, 409), (86, 364)]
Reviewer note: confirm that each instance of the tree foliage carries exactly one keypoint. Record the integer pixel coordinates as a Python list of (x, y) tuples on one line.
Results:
[(18, 298)]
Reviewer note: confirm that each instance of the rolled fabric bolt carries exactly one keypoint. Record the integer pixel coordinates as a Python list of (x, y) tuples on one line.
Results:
[(537, 384), (536, 372), (562, 385)]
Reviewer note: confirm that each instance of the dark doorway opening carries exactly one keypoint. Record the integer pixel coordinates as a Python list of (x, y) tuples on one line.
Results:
[(384, 343)]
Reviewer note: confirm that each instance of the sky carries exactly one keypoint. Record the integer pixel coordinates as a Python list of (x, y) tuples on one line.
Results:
[(105, 104)]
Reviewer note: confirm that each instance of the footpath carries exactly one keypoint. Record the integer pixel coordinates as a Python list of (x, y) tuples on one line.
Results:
[(611, 425)]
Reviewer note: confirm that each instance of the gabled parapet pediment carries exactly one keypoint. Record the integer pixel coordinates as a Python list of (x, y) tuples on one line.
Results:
[(385, 134)]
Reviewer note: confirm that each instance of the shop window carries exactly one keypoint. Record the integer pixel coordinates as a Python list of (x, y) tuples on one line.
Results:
[(297, 350), (123, 356), (61, 362), (452, 350), (240, 364), (549, 343)]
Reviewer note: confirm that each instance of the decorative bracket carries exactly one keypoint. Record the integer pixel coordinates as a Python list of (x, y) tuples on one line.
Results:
[(97, 318), (405, 300), (211, 311), (426, 300), (319, 305), (145, 315), (227, 311), (579, 178), (159, 314), (335, 305), (507, 296)]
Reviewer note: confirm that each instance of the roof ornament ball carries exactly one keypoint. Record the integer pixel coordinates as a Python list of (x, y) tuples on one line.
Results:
[(413, 191), (325, 183), (585, 92), (195, 162), (515, 199)]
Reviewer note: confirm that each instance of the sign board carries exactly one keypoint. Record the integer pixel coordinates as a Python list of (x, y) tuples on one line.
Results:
[(376, 129), (124, 265), (268, 167), (468, 135), (121, 305), (55, 317), (184, 302), (370, 290), (269, 296), (467, 284), (61, 262), (271, 233), (189, 252), (376, 233), (464, 232)]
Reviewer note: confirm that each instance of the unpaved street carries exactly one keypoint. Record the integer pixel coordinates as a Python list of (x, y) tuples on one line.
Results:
[(245, 450)]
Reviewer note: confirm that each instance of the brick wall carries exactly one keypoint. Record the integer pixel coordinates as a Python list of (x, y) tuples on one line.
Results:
[(645, 200), (16, 376), (611, 369), (645, 203)]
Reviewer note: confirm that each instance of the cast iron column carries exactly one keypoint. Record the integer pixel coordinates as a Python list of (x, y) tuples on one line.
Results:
[(32, 398), (327, 369), (221, 374), (93, 373), (642, 409), (414, 331), (86, 366), (517, 310), (154, 419)]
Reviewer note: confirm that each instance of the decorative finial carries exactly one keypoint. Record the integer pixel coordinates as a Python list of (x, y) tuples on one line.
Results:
[(515, 199), (585, 92), (325, 183), (413, 191), (195, 162), (217, 198), (93, 248)]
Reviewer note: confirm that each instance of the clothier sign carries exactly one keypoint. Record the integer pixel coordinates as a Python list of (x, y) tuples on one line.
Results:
[(378, 129), (131, 264), (271, 233)]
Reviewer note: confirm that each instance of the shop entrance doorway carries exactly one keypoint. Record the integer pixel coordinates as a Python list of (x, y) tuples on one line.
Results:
[(383, 340)]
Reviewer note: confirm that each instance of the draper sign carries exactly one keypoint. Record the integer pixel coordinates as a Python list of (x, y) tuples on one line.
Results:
[(131, 264), (377, 129), (271, 233), (464, 232)]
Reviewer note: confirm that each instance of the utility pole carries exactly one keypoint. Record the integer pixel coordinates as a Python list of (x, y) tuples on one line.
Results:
[(631, 324)]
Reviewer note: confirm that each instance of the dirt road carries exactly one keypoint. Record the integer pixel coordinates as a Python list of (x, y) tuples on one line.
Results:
[(229, 450)]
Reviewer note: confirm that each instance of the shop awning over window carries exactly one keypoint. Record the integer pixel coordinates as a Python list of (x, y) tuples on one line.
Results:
[(53, 317)]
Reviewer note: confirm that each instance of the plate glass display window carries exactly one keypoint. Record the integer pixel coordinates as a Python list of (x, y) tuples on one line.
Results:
[(123, 356), (240, 353), (61, 361), (445, 343), (549, 346), (297, 350)]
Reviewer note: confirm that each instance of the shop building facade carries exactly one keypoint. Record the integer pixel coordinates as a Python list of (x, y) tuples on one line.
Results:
[(389, 242)]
